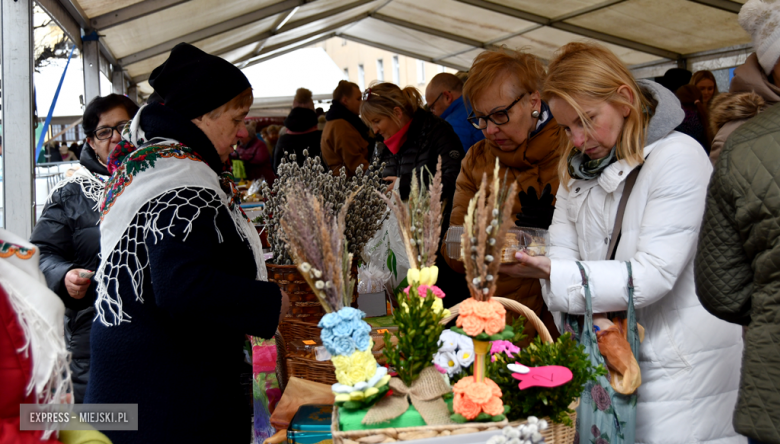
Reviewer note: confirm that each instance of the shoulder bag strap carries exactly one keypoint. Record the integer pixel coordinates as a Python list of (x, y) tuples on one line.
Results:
[(629, 185)]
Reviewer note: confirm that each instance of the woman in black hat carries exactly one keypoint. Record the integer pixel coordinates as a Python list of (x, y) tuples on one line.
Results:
[(181, 278)]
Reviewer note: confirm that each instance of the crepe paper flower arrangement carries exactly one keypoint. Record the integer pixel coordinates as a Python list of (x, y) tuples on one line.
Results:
[(456, 353), (366, 214), (319, 250), (528, 433), (484, 230), (505, 347), (552, 402)]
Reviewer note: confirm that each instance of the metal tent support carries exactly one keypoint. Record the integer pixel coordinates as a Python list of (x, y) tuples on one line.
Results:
[(16, 26), (91, 59)]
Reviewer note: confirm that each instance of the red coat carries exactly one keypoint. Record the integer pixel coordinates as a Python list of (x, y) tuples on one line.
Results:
[(257, 160), (15, 374)]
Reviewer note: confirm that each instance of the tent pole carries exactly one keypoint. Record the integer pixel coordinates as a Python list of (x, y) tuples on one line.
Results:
[(18, 108), (91, 59)]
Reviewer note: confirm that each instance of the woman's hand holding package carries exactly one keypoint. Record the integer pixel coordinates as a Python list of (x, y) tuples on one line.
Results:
[(527, 266)]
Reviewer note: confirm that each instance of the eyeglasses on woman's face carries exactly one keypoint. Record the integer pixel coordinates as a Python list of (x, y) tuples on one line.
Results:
[(106, 132), (499, 117)]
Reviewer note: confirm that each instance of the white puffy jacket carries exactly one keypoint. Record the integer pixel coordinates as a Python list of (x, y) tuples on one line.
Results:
[(690, 360)]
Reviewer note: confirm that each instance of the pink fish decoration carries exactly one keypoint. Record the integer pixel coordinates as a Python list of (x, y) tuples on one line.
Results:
[(547, 376)]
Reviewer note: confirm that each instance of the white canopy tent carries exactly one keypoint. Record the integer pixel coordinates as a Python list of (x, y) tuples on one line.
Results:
[(135, 36)]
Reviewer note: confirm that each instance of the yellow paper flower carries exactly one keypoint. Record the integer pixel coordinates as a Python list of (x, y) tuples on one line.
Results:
[(429, 275), (357, 367), (412, 275)]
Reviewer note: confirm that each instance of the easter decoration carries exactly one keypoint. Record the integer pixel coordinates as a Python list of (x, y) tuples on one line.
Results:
[(420, 311), (317, 245), (477, 397)]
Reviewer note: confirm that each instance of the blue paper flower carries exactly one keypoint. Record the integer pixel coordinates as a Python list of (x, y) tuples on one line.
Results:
[(349, 313), (343, 346), (343, 328), (330, 344), (329, 320), (362, 340)]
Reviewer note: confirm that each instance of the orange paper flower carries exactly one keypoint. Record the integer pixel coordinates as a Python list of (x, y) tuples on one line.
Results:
[(472, 398), (478, 316)]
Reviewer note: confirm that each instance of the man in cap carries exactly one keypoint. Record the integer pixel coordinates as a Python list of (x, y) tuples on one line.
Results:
[(182, 278)]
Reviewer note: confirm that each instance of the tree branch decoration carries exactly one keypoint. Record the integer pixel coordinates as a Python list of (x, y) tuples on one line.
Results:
[(484, 231), (419, 220), (363, 221)]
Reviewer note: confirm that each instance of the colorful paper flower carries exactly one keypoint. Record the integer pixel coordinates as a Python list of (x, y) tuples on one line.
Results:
[(448, 361), (465, 357), (449, 340), (481, 316), (471, 398)]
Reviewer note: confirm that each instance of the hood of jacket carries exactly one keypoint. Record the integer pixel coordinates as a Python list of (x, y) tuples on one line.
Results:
[(750, 77), (90, 161), (339, 111), (727, 107), (668, 113), (300, 119)]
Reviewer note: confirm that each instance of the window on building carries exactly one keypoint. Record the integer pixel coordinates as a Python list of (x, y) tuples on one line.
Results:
[(420, 71), (346, 73), (380, 70), (396, 70), (441, 68), (361, 77)]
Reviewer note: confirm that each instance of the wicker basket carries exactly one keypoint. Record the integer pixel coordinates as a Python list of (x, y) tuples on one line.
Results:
[(304, 305), (557, 433), (411, 433), (311, 370)]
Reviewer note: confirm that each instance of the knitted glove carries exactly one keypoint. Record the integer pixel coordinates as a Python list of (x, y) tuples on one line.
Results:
[(537, 212)]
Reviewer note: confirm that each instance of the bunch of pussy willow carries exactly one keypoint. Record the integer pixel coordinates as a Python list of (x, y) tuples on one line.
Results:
[(317, 245), (368, 211), (484, 230), (419, 219)]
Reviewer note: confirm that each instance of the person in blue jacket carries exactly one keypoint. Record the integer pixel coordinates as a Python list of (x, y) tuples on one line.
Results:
[(444, 97)]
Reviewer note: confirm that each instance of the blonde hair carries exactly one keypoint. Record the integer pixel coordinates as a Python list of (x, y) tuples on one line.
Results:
[(243, 100), (698, 76), (525, 71), (381, 98), (591, 72), (303, 97)]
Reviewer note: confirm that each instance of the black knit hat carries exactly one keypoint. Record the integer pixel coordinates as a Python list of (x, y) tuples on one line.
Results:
[(194, 83)]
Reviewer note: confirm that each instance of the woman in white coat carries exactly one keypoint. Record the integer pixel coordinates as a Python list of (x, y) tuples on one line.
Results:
[(689, 359)]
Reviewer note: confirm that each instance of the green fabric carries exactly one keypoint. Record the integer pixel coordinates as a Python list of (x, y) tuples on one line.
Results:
[(607, 416), (738, 265), (352, 420), (238, 169), (83, 437), (381, 321), (583, 167)]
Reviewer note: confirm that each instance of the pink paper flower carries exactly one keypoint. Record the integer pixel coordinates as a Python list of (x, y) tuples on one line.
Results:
[(422, 290)]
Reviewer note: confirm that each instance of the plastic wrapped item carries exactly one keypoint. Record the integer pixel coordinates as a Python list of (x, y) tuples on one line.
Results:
[(624, 373), (304, 348), (534, 241), (372, 278)]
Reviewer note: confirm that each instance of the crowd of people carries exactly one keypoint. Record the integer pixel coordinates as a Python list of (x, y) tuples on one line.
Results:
[(666, 189)]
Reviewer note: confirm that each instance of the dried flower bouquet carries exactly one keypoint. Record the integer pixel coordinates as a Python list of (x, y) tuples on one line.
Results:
[(320, 251)]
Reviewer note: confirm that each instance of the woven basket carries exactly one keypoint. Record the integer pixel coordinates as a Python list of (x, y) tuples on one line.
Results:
[(411, 433), (304, 305), (557, 433)]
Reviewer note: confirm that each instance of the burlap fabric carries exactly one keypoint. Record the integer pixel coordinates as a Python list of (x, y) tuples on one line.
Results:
[(426, 396)]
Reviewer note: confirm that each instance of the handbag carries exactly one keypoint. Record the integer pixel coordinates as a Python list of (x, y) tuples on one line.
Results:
[(605, 416)]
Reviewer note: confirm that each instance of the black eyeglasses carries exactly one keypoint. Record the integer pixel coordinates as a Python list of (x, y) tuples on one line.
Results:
[(434, 102), (499, 117), (105, 132)]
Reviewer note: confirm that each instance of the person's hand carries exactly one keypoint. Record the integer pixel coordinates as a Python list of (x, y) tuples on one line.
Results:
[(75, 285), (391, 181), (527, 266), (285, 306)]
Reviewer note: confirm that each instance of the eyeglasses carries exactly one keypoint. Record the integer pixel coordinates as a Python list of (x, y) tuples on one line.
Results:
[(105, 132), (434, 102), (499, 117)]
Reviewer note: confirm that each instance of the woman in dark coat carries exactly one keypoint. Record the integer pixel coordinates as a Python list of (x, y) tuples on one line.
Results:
[(302, 134), (68, 233), (414, 140), (182, 277)]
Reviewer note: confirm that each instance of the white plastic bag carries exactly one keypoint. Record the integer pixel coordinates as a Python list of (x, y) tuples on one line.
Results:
[(386, 251)]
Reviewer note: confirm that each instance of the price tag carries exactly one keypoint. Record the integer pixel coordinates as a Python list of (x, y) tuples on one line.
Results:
[(547, 376), (310, 342)]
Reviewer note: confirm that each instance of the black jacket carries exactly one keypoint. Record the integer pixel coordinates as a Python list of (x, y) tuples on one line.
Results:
[(297, 139), (180, 358), (68, 236), (428, 138)]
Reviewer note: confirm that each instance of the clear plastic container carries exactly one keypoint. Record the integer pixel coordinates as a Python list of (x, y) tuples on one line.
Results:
[(453, 242), (304, 348), (534, 241)]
